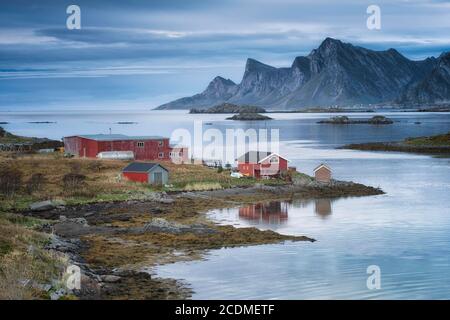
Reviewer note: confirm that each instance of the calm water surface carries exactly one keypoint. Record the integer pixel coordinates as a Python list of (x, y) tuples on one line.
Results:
[(406, 232)]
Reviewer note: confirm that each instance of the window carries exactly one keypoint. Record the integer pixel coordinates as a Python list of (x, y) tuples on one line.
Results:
[(161, 155), (273, 160), (160, 143), (140, 144)]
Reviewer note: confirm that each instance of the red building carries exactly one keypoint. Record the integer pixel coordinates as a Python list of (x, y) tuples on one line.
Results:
[(145, 172), (261, 164), (143, 148), (322, 173)]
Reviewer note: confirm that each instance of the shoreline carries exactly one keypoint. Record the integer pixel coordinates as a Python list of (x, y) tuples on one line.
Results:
[(117, 244), (117, 231)]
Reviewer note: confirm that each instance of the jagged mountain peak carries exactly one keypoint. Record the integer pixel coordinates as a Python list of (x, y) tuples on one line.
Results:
[(221, 82), (336, 73), (330, 45), (300, 62), (255, 65), (330, 42)]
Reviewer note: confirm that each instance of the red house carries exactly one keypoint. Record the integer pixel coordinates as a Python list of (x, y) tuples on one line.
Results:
[(261, 164), (143, 148)]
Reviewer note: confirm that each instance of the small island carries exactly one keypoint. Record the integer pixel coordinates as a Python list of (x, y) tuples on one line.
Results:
[(439, 144), (229, 108), (331, 110), (247, 116), (42, 122), (346, 120)]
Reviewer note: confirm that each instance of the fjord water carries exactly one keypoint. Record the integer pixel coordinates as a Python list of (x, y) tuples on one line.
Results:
[(406, 232)]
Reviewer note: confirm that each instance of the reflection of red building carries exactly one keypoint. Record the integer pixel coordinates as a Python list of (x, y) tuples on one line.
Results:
[(273, 212), (259, 164), (322, 207)]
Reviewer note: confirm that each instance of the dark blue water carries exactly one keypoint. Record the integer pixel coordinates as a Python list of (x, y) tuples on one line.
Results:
[(405, 232)]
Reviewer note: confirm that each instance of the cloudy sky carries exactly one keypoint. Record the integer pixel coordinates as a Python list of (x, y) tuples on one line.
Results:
[(139, 54)]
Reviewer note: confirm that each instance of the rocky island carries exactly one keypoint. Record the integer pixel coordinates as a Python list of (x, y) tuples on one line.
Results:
[(229, 108), (248, 116), (376, 120)]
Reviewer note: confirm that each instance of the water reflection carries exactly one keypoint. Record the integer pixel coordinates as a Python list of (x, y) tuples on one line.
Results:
[(322, 207), (277, 212), (274, 212)]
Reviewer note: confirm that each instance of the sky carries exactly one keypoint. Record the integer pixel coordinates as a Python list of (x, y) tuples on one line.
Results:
[(140, 54)]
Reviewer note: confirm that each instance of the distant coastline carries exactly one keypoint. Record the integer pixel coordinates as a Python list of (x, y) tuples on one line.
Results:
[(439, 144)]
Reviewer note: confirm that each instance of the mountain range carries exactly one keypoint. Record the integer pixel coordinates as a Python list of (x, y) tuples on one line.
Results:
[(334, 74)]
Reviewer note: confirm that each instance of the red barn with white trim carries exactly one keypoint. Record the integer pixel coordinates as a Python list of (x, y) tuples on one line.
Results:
[(143, 147), (259, 164)]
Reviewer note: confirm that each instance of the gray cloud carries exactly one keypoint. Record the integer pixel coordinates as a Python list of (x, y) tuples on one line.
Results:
[(160, 38)]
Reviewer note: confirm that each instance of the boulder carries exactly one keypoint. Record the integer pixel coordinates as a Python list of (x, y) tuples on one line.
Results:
[(46, 205), (110, 278)]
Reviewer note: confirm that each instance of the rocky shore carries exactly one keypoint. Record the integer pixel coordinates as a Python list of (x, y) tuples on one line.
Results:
[(116, 244)]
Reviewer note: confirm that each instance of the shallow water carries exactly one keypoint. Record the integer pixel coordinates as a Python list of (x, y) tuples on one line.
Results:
[(406, 232)]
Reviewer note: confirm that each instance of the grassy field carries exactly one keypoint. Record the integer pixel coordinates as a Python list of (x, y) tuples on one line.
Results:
[(42, 176), (27, 178)]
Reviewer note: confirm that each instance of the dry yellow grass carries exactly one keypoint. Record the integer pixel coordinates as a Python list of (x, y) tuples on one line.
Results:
[(103, 179), (202, 186)]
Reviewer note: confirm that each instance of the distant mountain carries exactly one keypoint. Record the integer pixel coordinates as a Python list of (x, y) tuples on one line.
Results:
[(433, 88), (335, 73), (219, 90)]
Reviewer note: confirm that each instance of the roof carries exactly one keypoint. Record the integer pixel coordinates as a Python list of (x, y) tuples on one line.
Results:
[(273, 154), (114, 137), (253, 156), (257, 156), (322, 165), (141, 167)]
